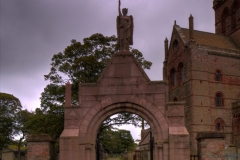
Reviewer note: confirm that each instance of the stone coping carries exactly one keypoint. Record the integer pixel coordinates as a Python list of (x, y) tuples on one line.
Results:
[(204, 135), (40, 138)]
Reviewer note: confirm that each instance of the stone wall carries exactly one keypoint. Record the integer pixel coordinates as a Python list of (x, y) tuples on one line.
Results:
[(211, 145), (40, 147)]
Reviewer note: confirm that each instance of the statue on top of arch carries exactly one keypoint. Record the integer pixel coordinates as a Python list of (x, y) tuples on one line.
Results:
[(124, 28)]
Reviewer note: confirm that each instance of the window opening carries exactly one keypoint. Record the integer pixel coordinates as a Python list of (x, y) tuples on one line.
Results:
[(228, 24), (219, 124), (173, 77), (218, 127), (219, 100)]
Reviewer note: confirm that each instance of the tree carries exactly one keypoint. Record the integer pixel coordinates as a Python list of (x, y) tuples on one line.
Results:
[(79, 63), (117, 141), (9, 108), (22, 117)]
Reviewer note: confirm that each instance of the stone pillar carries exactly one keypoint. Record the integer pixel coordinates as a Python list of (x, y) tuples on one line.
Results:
[(179, 147), (211, 145), (40, 147), (179, 143)]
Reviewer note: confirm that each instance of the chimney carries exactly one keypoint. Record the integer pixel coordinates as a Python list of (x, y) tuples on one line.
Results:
[(68, 94), (191, 28)]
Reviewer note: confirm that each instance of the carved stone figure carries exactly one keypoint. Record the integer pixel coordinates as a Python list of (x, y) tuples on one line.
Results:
[(124, 29)]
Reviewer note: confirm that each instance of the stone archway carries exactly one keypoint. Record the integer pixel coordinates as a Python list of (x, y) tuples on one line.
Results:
[(123, 86), (101, 111)]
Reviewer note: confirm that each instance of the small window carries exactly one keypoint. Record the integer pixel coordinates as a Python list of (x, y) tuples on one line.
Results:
[(175, 46), (218, 127), (219, 100), (219, 124), (218, 76), (173, 76), (181, 72)]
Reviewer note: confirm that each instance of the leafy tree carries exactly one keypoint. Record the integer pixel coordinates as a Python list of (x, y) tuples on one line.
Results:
[(78, 63), (9, 108), (38, 122), (117, 141), (22, 117)]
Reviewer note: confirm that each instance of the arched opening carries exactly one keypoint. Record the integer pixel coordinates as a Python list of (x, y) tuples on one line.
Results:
[(219, 101), (181, 73), (219, 124), (88, 134), (120, 135), (173, 77), (218, 76)]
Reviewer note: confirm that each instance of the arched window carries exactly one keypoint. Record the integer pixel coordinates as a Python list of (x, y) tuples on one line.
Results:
[(219, 124), (181, 72), (175, 45), (218, 76), (219, 100), (173, 77)]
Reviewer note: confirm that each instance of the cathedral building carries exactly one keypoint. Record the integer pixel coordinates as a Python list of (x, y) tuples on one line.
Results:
[(203, 70)]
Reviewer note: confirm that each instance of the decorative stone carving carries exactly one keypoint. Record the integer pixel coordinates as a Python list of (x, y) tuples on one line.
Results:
[(175, 116), (37, 150), (72, 118), (213, 147)]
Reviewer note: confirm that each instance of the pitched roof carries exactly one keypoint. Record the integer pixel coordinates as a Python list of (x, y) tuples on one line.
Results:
[(211, 39)]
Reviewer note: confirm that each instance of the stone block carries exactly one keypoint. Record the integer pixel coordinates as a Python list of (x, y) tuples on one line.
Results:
[(110, 71), (115, 81), (107, 90), (135, 72), (130, 80), (123, 70)]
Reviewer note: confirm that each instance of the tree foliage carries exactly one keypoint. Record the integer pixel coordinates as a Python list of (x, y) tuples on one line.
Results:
[(78, 63), (117, 141), (49, 122), (9, 108)]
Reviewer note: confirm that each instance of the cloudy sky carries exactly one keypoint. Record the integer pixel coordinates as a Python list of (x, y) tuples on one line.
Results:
[(32, 31)]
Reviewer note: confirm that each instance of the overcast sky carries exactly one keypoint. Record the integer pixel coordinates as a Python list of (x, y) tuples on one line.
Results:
[(32, 31)]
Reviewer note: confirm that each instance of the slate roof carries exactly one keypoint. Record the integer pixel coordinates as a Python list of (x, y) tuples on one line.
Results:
[(211, 39)]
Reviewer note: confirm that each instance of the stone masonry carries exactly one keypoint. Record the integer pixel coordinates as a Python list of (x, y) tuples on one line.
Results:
[(123, 87), (40, 147)]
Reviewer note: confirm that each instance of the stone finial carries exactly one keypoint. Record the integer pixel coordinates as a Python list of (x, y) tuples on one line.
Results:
[(68, 94), (166, 48), (175, 23), (191, 28)]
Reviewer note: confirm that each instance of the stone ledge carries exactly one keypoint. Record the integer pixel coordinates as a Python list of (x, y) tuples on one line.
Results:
[(203, 135), (40, 138)]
